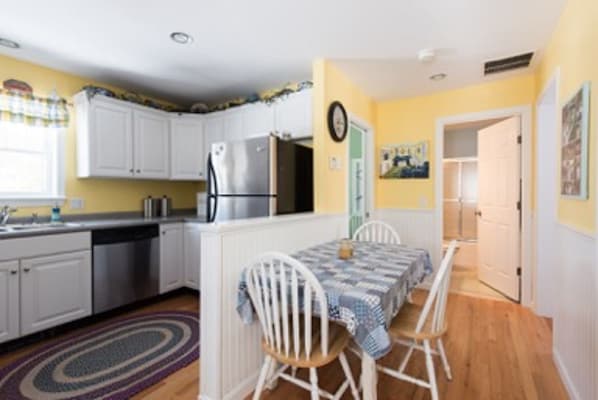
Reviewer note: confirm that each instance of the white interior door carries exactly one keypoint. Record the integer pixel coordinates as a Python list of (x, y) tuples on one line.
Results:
[(499, 235)]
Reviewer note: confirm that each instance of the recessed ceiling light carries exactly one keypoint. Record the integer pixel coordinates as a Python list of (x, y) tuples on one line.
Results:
[(181, 38), (9, 43), (438, 77)]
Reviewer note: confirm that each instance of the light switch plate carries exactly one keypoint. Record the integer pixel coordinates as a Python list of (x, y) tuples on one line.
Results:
[(77, 204), (334, 163)]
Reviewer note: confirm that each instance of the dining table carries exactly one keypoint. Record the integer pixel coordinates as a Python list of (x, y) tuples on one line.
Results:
[(364, 293)]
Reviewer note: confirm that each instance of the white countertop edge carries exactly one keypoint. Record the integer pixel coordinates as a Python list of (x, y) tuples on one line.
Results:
[(249, 223)]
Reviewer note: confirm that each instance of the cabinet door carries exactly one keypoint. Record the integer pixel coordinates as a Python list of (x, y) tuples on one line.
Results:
[(294, 115), (213, 131), (9, 300), (258, 120), (55, 290), (151, 145), (171, 257), (192, 256), (111, 140), (187, 150), (233, 125)]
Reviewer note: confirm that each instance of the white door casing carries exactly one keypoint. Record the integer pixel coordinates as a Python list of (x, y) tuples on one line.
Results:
[(499, 235)]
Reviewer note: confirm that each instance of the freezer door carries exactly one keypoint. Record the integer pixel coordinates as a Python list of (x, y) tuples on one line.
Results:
[(243, 167), (230, 207)]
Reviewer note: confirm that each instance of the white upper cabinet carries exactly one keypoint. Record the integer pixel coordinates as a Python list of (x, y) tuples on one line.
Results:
[(104, 137), (151, 144), (258, 119), (9, 300), (187, 158), (293, 115), (213, 130), (233, 125)]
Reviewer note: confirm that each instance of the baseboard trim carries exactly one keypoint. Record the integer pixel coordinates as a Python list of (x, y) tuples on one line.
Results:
[(560, 366)]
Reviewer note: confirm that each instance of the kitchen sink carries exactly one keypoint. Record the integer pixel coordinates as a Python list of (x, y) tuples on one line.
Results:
[(30, 227)]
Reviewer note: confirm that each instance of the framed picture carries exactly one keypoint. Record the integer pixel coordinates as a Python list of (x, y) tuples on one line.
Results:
[(405, 161), (574, 144)]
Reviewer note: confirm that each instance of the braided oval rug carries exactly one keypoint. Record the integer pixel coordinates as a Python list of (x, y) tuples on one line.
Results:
[(114, 360)]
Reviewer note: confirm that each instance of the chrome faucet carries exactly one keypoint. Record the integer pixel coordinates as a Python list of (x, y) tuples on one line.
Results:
[(5, 214)]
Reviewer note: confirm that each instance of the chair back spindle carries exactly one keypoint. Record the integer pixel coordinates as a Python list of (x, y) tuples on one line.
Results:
[(377, 231), (438, 294), (283, 292)]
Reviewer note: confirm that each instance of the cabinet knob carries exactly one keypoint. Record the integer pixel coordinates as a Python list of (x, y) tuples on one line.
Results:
[(131, 170), (26, 270), (13, 272), (138, 171), (201, 174), (163, 232)]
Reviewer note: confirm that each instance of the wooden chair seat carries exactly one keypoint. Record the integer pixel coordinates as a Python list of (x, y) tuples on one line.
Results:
[(339, 338), (405, 323)]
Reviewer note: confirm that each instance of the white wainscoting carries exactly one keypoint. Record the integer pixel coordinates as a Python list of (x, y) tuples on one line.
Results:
[(415, 227), (231, 353), (575, 314)]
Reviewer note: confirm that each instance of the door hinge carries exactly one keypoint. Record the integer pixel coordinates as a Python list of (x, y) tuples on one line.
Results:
[(518, 206), (518, 271), (519, 139)]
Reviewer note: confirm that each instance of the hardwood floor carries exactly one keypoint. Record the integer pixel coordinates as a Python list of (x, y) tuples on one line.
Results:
[(497, 350)]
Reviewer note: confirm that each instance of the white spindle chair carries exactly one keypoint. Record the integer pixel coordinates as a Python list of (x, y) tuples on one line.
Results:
[(425, 324), (377, 231), (292, 336)]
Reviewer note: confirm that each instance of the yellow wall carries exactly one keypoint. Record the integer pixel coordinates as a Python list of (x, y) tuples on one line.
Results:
[(414, 119), (574, 48), (100, 195), (331, 84)]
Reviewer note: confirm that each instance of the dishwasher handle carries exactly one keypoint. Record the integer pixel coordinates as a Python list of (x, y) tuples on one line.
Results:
[(126, 234)]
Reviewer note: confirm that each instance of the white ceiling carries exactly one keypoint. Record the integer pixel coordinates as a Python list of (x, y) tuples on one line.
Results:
[(246, 46)]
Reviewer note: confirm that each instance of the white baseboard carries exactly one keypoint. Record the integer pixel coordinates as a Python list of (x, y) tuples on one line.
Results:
[(565, 375)]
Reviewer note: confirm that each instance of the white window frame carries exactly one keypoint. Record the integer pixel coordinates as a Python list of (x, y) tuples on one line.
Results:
[(58, 197)]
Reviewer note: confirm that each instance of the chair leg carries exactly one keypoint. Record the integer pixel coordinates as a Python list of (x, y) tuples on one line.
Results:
[(271, 384), (313, 378), (349, 374), (293, 371), (431, 372), (407, 357), (262, 378), (447, 367)]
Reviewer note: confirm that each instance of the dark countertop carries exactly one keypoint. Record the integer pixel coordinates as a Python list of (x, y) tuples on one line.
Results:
[(82, 223)]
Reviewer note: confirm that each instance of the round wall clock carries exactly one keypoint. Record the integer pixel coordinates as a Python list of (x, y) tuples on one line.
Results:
[(338, 123)]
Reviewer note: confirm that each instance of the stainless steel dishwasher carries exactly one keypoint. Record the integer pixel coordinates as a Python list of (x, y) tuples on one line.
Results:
[(126, 265)]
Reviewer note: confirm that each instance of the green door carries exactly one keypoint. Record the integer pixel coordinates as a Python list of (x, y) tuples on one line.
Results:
[(356, 178)]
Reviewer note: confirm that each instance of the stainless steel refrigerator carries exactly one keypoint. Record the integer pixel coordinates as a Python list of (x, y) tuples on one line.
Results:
[(259, 177)]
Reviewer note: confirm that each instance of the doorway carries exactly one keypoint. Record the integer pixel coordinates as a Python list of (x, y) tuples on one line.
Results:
[(357, 178), (481, 206)]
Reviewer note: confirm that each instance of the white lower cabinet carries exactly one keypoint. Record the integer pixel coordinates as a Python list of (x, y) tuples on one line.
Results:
[(192, 256), (171, 257), (9, 300), (54, 290)]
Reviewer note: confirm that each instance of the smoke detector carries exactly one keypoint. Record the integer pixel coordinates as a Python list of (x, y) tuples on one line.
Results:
[(426, 55)]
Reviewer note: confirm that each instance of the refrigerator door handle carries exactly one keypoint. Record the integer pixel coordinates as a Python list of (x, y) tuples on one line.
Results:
[(212, 191), (273, 172)]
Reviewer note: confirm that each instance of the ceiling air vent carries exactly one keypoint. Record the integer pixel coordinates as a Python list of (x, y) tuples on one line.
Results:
[(508, 64)]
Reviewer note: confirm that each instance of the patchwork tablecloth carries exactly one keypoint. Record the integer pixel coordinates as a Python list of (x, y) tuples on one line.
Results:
[(363, 293)]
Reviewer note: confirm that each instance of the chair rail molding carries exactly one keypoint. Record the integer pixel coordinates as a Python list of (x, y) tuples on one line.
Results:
[(231, 353)]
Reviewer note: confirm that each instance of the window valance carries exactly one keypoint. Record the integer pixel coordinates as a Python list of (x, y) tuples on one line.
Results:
[(33, 110)]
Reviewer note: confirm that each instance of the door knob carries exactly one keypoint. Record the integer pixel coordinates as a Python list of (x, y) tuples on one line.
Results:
[(478, 213)]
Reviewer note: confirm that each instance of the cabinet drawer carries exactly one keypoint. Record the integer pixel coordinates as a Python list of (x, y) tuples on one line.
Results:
[(12, 249)]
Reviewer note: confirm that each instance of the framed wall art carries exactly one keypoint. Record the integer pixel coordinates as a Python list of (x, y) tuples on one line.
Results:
[(574, 144), (405, 161)]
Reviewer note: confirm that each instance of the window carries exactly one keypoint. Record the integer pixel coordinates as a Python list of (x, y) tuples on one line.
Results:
[(31, 166)]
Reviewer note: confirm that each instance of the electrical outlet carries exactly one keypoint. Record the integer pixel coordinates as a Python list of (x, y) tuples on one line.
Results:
[(77, 204)]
